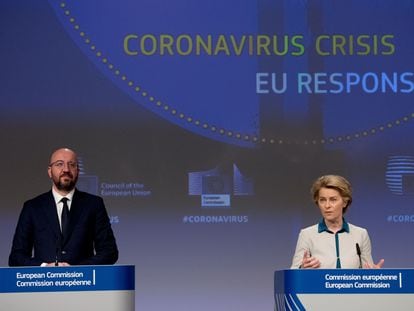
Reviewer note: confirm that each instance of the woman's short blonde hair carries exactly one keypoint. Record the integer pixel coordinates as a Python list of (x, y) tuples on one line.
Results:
[(336, 182)]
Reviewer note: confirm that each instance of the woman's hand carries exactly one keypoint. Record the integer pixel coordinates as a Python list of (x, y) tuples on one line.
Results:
[(374, 266), (309, 262)]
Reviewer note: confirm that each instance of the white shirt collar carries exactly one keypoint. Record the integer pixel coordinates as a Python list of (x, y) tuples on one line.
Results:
[(57, 196)]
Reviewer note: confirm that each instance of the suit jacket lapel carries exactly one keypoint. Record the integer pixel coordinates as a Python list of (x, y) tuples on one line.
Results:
[(75, 214), (49, 209)]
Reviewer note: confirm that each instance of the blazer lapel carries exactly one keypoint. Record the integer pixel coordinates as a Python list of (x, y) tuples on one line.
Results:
[(75, 214), (49, 208)]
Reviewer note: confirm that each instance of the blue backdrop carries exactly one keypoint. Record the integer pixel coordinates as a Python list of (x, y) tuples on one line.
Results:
[(203, 125)]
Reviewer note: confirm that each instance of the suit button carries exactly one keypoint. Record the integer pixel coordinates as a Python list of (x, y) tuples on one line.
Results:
[(63, 252)]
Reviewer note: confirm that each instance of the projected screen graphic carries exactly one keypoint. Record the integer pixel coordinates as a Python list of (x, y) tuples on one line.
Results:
[(204, 124)]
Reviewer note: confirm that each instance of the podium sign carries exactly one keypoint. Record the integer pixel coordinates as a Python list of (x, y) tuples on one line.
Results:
[(104, 288), (344, 289)]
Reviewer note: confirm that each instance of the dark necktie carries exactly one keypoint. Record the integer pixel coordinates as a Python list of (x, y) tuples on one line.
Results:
[(65, 215)]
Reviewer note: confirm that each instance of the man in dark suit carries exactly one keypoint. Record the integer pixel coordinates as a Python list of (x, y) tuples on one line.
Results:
[(64, 226)]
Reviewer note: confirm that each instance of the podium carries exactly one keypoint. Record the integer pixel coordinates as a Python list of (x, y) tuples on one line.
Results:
[(344, 289), (74, 288)]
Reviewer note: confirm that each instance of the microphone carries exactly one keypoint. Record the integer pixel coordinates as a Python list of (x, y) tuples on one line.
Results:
[(57, 250), (56, 256), (358, 250)]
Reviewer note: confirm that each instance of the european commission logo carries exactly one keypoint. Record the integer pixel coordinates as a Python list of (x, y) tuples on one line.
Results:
[(399, 176), (216, 186)]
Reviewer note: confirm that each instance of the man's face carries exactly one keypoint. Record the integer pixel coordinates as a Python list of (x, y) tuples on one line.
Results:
[(63, 170)]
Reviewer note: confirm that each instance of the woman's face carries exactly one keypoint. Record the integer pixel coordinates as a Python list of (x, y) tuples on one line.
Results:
[(331, 204)]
